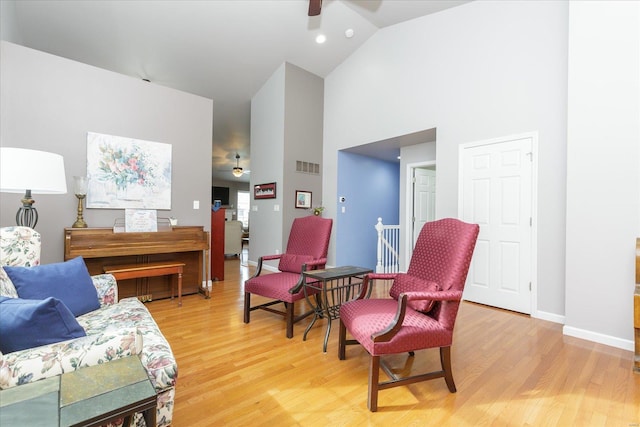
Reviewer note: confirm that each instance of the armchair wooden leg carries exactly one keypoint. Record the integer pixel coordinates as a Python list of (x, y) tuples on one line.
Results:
[(247, 306), (374, 377), (289, 316), (342, 337), (445, 360)]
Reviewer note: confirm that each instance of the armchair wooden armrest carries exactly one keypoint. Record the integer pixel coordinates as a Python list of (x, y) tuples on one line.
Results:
[(261, 260), (365, 290), (392, 329), (382, 276)]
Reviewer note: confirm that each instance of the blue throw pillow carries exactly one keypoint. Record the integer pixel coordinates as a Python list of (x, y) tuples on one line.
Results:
[(31, 323), (69, 281)]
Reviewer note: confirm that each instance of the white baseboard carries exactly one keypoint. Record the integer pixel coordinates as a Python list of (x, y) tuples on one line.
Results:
[(549, 317), (599, 338), (270, 268)]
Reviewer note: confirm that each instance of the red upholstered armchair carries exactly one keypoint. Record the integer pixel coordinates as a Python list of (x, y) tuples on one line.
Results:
[(422, 309), (306, 250)]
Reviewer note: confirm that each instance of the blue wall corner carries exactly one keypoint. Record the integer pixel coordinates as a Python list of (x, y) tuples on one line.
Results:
[(371, 188)]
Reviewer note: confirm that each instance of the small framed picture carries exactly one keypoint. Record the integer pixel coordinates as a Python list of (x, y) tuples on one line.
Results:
[(264, 191), (303, 199)]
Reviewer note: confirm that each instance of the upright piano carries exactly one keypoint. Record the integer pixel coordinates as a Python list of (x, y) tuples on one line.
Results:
[(101, 246)]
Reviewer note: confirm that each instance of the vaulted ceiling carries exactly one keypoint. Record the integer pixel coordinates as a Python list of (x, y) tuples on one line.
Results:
[(224, 50)]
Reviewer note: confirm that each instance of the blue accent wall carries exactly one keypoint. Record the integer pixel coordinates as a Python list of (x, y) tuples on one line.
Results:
[(371, 188)]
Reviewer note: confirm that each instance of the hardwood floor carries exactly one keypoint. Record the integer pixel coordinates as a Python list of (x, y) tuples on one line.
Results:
[(510, 370)]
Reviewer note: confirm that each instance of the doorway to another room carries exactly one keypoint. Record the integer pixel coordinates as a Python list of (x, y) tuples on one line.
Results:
[(244, 204), (421, 198)]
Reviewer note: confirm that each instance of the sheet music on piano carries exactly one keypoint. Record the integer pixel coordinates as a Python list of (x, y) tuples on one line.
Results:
[(163, 224)]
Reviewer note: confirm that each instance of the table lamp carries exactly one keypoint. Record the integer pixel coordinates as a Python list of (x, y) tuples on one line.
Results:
[(80, 190), (30, 171)]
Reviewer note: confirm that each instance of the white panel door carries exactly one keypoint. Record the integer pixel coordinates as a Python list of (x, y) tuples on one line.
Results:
[(424, 199), (497, 195)]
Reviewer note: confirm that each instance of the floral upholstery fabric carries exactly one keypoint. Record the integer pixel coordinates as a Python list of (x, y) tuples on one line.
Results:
[(33, 364), (107, 289), (19, 246), (6, 287), (156, 353), (115, 330)]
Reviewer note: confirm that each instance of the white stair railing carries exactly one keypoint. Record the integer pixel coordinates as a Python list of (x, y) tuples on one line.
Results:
[(388, 248)]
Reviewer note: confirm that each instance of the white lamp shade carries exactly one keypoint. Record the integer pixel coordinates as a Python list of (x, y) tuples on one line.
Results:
[(38, 171)]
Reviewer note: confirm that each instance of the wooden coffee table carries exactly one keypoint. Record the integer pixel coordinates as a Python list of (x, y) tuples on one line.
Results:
[(90, 396)]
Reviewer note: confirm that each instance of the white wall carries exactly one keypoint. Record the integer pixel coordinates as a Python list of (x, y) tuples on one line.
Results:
[(8, 22), (49, 103), (475, 72), (303, 140), (603, 189), (286, 125), (267, 142)]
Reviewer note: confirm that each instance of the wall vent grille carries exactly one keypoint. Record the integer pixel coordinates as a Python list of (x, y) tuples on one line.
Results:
[(307, 167)]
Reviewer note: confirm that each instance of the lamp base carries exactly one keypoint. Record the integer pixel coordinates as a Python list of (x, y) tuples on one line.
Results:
[(27, 215), (80, 220), (79, 224)]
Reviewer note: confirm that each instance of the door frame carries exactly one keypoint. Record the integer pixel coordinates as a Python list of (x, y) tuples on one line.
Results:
[(408, 240), (534, 200)]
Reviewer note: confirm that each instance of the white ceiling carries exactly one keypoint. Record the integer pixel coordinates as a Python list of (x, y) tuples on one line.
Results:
[(224, 50)]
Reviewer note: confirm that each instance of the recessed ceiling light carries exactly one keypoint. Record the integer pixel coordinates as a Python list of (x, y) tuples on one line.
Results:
[(349, 33), (321, 38)]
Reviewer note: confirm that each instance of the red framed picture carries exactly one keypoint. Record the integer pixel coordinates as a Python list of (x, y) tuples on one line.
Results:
[(264, 191)]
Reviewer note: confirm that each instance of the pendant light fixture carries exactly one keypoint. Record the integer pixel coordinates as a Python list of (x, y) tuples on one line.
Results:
[(237, 171)]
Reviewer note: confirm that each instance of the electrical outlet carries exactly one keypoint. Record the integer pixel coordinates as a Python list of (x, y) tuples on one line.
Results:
[(196, 204)]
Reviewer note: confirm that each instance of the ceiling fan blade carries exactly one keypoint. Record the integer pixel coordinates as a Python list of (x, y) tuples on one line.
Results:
[(314, 7)]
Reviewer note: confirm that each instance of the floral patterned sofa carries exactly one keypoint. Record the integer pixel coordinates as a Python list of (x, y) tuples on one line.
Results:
[(117, 329)]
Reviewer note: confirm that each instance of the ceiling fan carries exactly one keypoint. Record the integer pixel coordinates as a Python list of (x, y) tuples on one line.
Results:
[(314, 7), (237, 171)]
